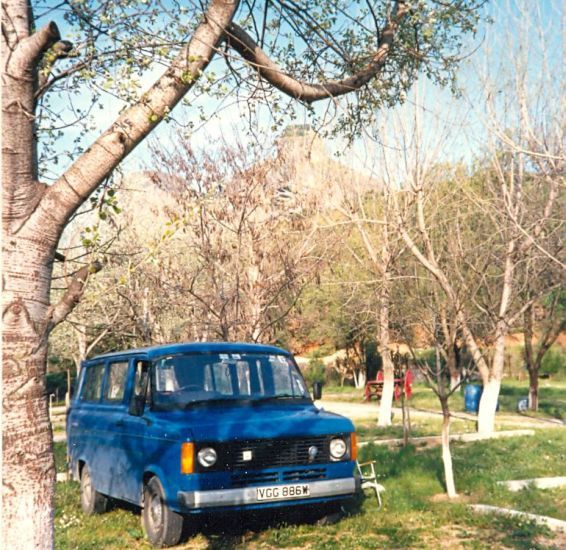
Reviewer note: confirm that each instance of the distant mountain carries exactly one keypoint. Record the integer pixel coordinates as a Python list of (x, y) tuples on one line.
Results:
[(306, 172), (306, 176)]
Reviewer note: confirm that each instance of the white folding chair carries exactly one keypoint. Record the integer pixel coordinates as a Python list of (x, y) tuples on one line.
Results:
[(368, 478)]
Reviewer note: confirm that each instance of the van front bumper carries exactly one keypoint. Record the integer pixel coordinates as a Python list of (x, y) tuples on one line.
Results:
[(248, 495)]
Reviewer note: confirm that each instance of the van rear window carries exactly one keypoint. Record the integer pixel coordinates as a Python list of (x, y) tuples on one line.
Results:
[(93, 383)]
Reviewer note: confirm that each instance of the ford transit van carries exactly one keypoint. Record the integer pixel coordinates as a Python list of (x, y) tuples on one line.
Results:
[(184, 429)]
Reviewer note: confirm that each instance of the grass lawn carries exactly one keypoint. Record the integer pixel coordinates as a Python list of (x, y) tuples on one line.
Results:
[(415, 513)]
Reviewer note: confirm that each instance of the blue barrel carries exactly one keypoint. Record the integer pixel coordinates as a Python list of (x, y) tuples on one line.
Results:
[(472, 394)]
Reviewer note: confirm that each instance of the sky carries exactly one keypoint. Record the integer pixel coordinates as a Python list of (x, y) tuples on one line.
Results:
[(464, 118)]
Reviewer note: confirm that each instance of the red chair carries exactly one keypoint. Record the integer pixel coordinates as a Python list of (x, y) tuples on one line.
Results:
[(408, 384)]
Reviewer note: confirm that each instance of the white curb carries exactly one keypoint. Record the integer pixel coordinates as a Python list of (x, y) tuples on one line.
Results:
[(553, 524), (538, 482)]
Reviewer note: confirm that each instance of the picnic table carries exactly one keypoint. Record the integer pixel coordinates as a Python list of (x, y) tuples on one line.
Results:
[(402, 384)]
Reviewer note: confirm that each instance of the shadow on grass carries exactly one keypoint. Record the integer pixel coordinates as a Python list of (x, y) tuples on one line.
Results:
[(234, 529)]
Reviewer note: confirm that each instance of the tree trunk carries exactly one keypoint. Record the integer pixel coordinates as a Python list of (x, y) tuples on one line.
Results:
[(82, 349), (28, 469), (533, 387), (446, 454), (453, 367), (68, 392), (453, 364), (488, 406), (491, 387), (386, 403), (359, 379), (452, 353), (532, 368), (455, 380), (28, 473)]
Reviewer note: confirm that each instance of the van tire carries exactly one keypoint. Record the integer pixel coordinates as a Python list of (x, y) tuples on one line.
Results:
[(92, 502), (162, 525)]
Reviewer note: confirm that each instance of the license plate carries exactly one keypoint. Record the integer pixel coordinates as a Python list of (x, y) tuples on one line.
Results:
[(282, 492)]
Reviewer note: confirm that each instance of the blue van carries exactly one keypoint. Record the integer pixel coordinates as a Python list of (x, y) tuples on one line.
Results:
[(184, 429)]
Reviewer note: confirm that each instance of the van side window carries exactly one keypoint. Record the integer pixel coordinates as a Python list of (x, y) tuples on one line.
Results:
[(116, 383), (93, 383)]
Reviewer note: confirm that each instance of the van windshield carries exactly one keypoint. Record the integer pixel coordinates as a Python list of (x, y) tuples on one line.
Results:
[(183, 380)]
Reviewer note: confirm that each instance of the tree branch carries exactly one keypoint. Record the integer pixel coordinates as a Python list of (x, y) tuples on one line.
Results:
[(30, 50), (58, 312), (245, 45)]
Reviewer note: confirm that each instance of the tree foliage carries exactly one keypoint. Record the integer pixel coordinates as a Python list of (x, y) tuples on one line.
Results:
[(313, 51)]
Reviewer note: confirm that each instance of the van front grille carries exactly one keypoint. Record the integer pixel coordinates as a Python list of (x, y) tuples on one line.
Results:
[(259, 454), (268, 453)]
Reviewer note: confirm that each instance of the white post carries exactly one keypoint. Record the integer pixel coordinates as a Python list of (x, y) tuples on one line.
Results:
[(51, 396)]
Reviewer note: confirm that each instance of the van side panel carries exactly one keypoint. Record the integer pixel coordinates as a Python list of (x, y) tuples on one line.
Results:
[(162, 457)]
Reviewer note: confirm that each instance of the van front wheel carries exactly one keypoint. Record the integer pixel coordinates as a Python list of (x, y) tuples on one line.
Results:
[(162, 525), (92, 502)]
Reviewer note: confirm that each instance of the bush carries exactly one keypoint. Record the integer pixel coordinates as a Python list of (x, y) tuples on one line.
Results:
[(331, 377), (554, 363), (427, 356), (315, 371)]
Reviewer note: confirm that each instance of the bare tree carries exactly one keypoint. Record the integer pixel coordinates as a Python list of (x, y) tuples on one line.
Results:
[(550, 324), (489, 274), (369, 213), (249, 255), (524, 158), (436, 378), (525, 143)]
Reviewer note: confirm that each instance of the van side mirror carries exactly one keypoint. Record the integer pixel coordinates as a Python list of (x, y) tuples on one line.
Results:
[(316, 391), (139, 395)]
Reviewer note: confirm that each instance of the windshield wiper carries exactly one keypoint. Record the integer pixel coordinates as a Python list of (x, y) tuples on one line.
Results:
[(282, 396), (247, 399), (216, 400)]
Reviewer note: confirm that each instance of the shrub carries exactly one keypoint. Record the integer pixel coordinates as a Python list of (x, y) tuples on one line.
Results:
[(554, 363), (315, 371)]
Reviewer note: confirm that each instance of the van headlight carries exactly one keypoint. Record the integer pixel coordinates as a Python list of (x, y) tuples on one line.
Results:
[(338, 448), (207, 457)]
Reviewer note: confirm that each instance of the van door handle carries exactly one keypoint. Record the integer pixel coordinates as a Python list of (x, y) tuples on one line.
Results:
[(119, 423)]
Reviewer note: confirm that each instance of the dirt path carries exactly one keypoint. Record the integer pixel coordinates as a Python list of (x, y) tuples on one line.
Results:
[(359, 411)]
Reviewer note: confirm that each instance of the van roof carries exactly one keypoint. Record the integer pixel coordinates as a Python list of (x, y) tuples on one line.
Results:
[(194, 347)]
